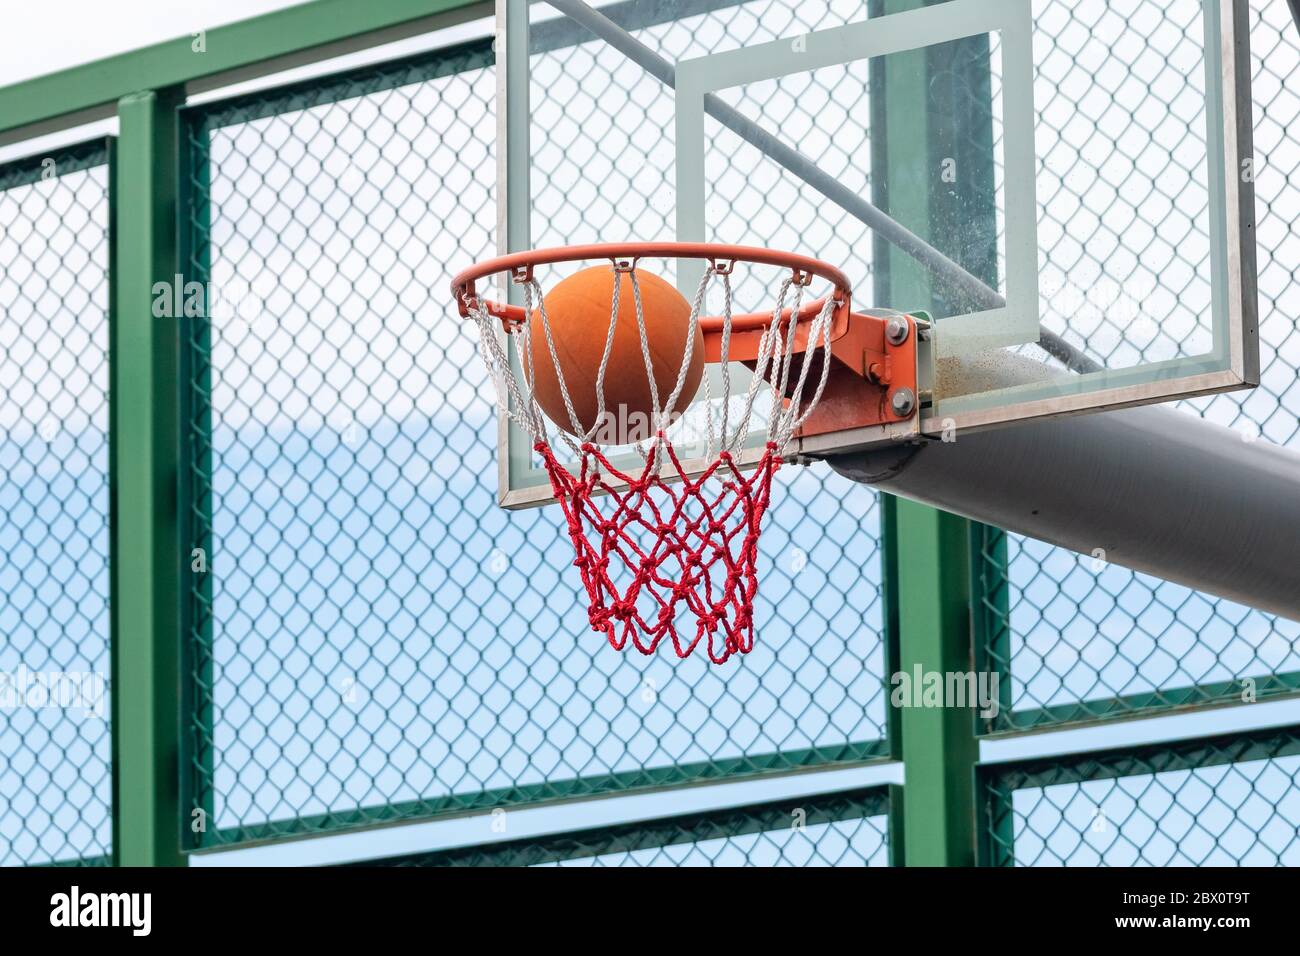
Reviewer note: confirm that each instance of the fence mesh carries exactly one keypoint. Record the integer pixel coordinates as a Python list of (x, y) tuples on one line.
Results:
[(55, 745), (374, 638), (843, 829), (1225, 801), (1084, 639)]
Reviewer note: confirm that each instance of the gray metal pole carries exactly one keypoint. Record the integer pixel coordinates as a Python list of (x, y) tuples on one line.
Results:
[(1156, 489)]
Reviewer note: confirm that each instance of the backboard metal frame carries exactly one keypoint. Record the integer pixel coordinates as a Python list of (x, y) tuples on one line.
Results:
[(1015, 321), (1230, 142), (1233, 361)]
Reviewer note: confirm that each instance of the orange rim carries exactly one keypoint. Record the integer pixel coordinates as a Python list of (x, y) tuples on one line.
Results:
[(626, 254)]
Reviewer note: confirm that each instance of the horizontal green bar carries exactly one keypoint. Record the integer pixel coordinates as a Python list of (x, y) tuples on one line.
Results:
[(629, 782), (351, 84), (998, 783), (661, 832), (69, 159), (1147, 704), (273, 36), (1194, 754), (81, 861)]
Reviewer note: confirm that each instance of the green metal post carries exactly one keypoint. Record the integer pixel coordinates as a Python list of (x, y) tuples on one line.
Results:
[(196, 505), (889, 590), (991, 635), (918, 123), (147, 552), (991, 610), (896, 849), (939, 744)]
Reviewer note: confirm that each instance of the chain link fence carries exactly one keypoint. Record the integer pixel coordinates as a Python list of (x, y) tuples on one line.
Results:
[(319, 430), (843, 829), (373, 638), (1223, 801), (370, 638), (55, 744), (1083, 639)]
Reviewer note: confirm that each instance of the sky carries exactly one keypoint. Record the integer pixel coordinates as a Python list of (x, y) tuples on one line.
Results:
[(28, 47)]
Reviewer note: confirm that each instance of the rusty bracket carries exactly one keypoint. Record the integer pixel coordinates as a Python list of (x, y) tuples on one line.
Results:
[(873, 376)]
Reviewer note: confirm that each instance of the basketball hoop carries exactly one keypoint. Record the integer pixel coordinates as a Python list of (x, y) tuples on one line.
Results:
[(663, 551)]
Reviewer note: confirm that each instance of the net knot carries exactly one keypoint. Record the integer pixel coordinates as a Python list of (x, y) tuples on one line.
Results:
[(688, 546)]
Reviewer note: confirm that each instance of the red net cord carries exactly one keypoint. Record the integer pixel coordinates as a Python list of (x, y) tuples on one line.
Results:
[(662, 558)]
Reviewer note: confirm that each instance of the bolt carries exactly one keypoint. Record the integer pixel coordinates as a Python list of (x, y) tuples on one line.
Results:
[(896, 331), (903, 401)]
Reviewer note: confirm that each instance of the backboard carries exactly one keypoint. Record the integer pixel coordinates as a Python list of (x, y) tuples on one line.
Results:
[(1064, 187)]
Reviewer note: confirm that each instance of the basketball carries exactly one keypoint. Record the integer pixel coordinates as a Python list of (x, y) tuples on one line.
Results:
[(578, 309)]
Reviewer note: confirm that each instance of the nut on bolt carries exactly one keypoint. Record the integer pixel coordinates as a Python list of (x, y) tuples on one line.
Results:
[(902, 402), (896, 330)]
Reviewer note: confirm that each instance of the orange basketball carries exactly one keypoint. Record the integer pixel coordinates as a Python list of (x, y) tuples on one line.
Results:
[(578, 309)]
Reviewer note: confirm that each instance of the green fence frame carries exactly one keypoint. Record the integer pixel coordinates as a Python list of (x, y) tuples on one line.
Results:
[(946, 586), (684, 829), (999, 782), (993, 649)]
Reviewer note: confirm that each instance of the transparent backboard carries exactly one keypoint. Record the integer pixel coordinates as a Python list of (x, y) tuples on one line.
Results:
[(1063, 186)]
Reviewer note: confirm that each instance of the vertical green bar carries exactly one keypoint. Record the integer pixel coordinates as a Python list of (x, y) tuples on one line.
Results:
[(939, 744), (991, 635), (147, 553), (896, 848), (996, 808), (889, 590), (991, 609), (919, 126), (196, 488)]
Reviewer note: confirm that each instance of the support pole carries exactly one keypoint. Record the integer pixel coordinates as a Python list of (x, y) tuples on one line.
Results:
[(917, 121), (939, 744), (1153, 489), (145, 442)]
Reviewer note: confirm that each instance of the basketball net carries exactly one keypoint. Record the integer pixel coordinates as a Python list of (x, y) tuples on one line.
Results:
[(663, 552)]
